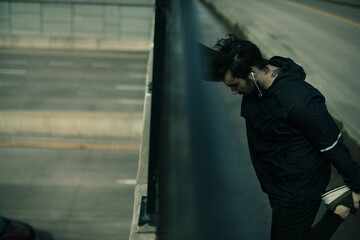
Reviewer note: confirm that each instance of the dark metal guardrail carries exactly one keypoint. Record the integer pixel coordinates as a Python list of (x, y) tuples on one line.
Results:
[(183, 157)]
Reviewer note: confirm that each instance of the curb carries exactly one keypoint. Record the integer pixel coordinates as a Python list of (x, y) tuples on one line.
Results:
[(145, 232)]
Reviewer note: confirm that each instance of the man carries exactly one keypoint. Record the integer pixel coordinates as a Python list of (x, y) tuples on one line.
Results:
[(292, 140)]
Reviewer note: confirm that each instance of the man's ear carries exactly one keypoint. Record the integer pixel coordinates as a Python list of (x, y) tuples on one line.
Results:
[(253, 70)]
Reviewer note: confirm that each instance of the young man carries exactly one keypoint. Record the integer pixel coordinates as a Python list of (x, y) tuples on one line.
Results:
[(292, 140)]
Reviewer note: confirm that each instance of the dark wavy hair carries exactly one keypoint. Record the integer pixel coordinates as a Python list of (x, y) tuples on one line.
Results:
[(236, 55)]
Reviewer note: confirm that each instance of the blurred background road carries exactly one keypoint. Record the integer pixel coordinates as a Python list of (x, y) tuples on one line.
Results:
[(59, 173), (72, 86), (72, 81)]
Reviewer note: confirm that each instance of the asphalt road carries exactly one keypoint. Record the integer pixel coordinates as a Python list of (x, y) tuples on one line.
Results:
[(72, 81), (69, 193), (248, 210), (70, 187)]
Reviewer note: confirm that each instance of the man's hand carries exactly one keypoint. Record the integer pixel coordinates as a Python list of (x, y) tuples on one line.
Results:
[(343, 211), (356, 199)]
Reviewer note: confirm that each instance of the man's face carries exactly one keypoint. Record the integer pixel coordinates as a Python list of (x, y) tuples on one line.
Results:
[(238, 85)]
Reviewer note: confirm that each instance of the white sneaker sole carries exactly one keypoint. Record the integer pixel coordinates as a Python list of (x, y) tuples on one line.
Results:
[(331, 195)]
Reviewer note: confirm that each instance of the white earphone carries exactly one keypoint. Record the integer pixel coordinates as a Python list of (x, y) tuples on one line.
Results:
[(253, 77)]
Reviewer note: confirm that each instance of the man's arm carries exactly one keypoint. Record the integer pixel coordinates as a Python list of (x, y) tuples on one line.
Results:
[(319, 127)]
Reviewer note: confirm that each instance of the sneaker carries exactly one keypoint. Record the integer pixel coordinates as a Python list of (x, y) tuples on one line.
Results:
[(339, 196)]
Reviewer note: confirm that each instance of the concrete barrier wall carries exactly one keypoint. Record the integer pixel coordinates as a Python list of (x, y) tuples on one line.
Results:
[(146, 232), (97, 25), (76, 19)]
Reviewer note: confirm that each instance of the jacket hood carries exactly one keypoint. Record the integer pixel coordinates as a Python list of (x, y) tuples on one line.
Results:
[(290, 71)]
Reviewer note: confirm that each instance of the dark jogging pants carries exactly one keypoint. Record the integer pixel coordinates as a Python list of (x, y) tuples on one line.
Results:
[(296, 223)]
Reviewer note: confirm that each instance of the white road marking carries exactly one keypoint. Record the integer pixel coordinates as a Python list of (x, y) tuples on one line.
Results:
[(101, 64), (56, 63), (137, 75), (13, 71), (130, 87), (136, 66), (126, 181), (13, 61), (130, 101)]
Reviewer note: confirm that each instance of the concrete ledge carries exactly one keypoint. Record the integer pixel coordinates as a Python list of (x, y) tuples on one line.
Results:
[(66, 43), (75, 124), (142, 175), (145, 232)]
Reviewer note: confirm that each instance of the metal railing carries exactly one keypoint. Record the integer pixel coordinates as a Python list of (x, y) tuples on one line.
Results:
[(183, 157)]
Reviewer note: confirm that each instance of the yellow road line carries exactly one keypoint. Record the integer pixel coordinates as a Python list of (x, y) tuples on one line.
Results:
[(69, 146), (344, 20)]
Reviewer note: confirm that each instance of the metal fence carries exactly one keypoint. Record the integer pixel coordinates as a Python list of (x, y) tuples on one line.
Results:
[(77, 18), (183, 200)]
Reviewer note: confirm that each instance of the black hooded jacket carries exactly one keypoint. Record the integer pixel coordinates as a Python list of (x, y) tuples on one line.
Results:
[(293, 139)]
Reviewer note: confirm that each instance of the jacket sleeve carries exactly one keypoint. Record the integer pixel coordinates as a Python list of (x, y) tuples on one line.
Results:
[(314, 120)]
